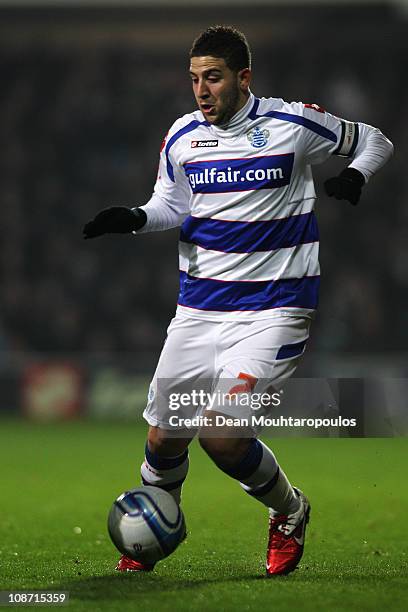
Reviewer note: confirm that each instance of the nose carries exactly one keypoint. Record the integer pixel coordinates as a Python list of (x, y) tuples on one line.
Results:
[(202, 90)]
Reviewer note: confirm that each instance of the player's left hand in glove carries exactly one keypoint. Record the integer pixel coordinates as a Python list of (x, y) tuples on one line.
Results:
[(346, 186), (115, 220)]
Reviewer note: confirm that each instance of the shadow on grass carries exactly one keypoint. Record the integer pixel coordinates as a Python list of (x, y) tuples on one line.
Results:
[(131, 584)]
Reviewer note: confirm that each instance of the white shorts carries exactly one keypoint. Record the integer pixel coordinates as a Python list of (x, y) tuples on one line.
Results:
[(216, 356)]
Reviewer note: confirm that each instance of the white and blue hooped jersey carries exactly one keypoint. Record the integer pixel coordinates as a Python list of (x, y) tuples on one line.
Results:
[(249, 241)]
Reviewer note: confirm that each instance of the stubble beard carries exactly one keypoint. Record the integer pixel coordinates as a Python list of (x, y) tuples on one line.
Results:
[(230, 107)]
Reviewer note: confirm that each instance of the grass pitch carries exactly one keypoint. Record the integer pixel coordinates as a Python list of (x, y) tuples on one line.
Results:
[(59, 480)]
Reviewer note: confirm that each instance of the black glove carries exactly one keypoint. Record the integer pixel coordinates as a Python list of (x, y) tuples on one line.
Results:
[(346, 186), (115, 220)]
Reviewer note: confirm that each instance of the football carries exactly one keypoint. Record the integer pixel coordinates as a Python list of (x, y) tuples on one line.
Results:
[(146, 524)]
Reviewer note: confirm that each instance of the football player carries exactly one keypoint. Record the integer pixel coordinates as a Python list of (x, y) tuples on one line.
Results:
[(236, 175)]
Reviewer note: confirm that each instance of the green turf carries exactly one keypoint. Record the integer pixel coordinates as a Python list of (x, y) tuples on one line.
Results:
[(58, 477)]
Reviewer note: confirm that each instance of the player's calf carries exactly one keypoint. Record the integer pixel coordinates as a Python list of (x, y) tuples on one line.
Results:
[(225, 452)]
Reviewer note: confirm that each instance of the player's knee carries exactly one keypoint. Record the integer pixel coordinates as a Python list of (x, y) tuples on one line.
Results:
[(225, 452), (160, 443)]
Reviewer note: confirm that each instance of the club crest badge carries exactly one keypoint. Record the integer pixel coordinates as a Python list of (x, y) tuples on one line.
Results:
[(258, 138)]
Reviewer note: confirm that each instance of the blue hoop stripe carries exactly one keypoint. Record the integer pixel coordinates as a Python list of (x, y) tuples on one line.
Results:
[(249, 464), (264, 489), (164, 463), (250, 236), (227, 296), (166, 487)]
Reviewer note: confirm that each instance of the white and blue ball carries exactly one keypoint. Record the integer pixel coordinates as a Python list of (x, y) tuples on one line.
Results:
[(146, 524)]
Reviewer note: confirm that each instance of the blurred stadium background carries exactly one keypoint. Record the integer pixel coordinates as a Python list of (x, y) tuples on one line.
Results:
[(88, 90)]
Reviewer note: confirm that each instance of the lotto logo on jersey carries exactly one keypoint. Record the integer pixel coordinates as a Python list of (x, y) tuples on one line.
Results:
[(204, 143), (250, 174)]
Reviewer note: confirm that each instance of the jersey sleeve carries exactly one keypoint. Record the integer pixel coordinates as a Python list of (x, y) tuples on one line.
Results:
[(170, 202), (324, 134), (171, 184), (373, 150)]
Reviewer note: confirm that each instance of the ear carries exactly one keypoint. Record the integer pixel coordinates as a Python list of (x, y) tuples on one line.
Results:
[(244, 79)]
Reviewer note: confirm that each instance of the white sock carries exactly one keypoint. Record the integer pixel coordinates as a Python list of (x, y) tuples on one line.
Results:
[(168, 473), (262, 478)]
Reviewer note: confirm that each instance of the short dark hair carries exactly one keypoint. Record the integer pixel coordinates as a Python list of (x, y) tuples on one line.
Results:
[(225, 42)]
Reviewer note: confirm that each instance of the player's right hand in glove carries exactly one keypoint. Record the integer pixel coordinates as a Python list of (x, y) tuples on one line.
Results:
[(346, 186), (115, 220)]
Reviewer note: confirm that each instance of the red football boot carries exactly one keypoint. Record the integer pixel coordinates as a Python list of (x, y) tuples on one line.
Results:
[(126, 564), (286, 539)]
